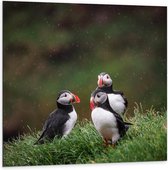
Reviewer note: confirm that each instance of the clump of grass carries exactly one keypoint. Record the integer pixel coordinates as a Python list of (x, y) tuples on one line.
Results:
[(145, 141)]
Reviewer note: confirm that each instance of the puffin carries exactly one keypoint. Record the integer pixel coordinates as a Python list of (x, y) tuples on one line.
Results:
[(107, 122), (117, 100), (62, 120)]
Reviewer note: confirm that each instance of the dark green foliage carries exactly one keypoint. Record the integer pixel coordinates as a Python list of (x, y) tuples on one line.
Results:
[(49, 47), (145, 141)]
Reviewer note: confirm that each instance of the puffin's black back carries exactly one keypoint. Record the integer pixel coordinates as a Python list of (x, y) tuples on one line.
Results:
[(54, 125)]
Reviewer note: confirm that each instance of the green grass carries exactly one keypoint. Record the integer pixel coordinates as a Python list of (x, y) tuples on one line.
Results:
[(145, 141)]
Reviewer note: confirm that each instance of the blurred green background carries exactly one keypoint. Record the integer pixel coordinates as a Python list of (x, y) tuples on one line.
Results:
[(48, 47)]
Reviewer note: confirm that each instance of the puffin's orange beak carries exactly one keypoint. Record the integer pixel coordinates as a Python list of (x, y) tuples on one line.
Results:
[(100, 81), (75, 99), (92, 105)]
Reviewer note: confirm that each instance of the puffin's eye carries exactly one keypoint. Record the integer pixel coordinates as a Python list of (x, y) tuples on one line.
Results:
[(65, 95), (107, 77), (98, 96)]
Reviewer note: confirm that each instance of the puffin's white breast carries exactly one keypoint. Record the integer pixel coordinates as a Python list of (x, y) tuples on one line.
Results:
[(70, 122), (104, 122), (117, 103)]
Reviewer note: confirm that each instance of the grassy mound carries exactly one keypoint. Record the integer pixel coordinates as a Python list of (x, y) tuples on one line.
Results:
[(145, 141)]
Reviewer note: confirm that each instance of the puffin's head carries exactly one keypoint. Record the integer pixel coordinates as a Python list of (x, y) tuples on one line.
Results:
[(65, 97), (104, 80), (98, 97)]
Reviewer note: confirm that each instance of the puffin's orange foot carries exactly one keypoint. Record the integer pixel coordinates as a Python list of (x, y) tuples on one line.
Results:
[(113, 145), (105, 143)]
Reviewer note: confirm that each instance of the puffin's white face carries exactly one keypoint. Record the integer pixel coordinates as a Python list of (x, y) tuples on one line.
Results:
[(100, 98), (104, 80), (67, 98)]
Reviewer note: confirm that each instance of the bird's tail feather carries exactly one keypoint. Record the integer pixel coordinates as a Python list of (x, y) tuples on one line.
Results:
[(39, 142), (127, 125)]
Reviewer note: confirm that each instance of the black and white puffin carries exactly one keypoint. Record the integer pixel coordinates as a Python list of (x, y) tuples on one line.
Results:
[(117, 100), (62, 120), (107, 122)]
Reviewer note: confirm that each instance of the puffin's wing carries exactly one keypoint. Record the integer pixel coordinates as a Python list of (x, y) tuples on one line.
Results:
[(120, 124), (118, 117), (118, 92), (53, 125), (51, 116)]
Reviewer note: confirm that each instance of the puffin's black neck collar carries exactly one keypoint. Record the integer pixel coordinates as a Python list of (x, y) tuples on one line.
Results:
[(67, 108), (107, 89)]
